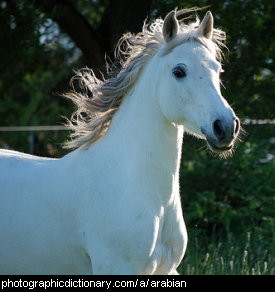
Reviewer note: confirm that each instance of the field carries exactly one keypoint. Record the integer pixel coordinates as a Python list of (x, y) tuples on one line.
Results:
[(232, 257)]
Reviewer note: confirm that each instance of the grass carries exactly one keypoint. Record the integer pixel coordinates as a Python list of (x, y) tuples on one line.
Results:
[(231, 257)]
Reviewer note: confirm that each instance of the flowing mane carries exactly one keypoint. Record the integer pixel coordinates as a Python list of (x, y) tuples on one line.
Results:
[(99, 100)]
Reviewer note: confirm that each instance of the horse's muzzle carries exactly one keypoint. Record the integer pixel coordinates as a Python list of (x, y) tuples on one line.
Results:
[(223, 134)]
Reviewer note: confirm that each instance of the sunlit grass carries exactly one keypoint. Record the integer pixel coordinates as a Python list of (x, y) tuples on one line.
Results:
[(230, 257)]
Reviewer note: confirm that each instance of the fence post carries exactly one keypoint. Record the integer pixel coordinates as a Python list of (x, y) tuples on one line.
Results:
[(31, 142)]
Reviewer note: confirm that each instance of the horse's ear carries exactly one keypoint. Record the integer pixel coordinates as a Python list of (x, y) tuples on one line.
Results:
[(170, 26), (206, 27)]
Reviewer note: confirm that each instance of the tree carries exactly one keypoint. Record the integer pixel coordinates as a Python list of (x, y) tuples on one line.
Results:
[(43, 41), (96, 36)]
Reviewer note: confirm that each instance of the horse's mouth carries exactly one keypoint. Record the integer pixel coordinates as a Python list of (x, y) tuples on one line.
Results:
[(213, 147)]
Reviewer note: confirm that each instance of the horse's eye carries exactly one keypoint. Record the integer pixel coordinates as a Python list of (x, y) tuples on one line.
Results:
[(179, 71)]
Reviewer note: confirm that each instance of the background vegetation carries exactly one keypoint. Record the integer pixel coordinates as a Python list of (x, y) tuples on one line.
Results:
[(228, 204)]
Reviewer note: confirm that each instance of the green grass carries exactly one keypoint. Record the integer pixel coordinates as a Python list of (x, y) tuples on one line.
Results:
[(247, 256)]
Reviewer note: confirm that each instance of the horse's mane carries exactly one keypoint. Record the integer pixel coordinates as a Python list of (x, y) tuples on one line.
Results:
[(99, 100)]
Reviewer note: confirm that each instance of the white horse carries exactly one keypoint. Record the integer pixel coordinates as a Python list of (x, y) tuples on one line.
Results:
[(112, 206)]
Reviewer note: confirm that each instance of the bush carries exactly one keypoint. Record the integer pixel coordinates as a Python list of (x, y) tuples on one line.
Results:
[(230, 196)]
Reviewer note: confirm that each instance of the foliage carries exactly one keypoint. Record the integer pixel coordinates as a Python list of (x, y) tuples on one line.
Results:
[(34, 59), (231, 196), (223, 200), (37, 58)]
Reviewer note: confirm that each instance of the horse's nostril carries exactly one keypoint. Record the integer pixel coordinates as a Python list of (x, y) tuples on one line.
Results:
[(218, 130), (237, 126)]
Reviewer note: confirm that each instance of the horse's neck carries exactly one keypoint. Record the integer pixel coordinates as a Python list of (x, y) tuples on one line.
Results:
[(140, 146), (145, 143)]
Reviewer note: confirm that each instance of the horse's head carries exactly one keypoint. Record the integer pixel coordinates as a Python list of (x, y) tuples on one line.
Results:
[(189, 86)]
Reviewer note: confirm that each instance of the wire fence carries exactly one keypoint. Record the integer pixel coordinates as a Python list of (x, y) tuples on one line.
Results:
[(32, 129), (64, 128)]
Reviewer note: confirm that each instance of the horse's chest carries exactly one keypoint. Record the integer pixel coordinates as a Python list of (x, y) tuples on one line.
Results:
[(162, 260), (169, 248)]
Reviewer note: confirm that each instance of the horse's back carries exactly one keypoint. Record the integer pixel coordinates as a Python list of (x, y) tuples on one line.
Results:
[(36, 226), (19, 171), (15, 164), (24, 179), (9, 155)]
